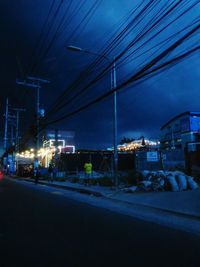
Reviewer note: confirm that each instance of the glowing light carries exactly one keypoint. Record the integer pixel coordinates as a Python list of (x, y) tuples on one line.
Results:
[(134, 145)]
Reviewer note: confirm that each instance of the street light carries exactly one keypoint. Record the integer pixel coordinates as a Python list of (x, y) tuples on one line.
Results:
[(113, 86), (74, 48)]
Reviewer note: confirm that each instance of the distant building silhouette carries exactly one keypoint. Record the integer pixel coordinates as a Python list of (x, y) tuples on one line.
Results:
[(181, 130)]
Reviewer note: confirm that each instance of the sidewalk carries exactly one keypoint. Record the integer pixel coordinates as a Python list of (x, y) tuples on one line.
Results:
[(185, 203)]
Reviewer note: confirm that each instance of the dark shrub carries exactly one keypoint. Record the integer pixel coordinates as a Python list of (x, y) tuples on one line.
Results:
[(105, 181), (131, 178)]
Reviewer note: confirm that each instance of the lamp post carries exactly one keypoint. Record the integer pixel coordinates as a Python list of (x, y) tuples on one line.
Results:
[(113, 86)]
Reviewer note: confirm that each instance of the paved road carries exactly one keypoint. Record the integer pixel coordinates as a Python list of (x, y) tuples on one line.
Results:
[(41, 227)]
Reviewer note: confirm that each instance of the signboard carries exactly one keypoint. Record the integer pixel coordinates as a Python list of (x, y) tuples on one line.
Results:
[(68, 149), (152, 156), (195, 124)]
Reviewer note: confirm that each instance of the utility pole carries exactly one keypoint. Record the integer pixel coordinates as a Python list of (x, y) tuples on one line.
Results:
[(12, 134), (17, 110), (35, 82), (38, 82), (6, 126), (56, 147), (114, 86), (12, 124)]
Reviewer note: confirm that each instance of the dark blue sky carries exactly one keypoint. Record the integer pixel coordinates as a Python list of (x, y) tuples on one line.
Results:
[(142, 108)]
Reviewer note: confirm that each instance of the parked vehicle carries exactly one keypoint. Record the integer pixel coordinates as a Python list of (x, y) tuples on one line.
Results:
[(1, 175)]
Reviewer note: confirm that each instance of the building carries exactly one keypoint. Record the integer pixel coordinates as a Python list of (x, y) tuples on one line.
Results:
[(181, 131), (144, 144), (63, 140)]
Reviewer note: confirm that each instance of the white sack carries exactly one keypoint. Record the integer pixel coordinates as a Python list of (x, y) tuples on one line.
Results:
[(182, 182), (191, 183), (173, 182)]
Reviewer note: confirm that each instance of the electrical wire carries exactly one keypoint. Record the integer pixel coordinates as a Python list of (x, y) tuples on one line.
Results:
[(102, 97), (143, 72), (141, 33)]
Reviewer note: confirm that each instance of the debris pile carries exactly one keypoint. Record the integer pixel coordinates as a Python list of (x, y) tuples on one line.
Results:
[(163, 181)]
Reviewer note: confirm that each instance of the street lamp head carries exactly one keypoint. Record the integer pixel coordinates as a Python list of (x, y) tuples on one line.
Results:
[(74, 48)]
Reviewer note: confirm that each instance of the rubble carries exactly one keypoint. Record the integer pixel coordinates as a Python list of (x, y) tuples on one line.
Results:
[(163, 181), (130, 189)]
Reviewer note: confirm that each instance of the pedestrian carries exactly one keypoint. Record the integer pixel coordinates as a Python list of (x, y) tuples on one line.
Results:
[(55, 172), (88, 169), (50, 173), (37, 175)]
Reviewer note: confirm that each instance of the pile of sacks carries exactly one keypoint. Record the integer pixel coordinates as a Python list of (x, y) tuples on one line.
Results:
[(164, 181)]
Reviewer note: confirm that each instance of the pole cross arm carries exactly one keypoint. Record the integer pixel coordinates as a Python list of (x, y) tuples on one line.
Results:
[(19, 109), (25, 83), (36, 79)]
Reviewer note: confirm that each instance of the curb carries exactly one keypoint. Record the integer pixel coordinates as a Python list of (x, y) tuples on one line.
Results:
[(66, 187), (98, 194), (176, 213), (71, 188)]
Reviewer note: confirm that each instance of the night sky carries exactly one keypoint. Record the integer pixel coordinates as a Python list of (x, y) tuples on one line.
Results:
[(34, 39)]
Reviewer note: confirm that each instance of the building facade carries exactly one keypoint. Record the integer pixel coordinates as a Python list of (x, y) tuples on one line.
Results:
[(182, 131), (56, 142)]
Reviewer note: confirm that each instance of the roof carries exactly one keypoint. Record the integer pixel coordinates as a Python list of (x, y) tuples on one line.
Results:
[(190, 113)]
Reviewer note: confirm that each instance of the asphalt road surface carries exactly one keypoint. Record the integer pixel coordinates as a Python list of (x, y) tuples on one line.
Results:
[(45, 228)]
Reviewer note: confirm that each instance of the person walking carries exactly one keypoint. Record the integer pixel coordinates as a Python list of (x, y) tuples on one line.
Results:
[(37, 175), (50, 173), (55, 170)]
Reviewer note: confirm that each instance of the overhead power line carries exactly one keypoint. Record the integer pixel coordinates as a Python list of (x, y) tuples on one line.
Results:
[(137, 31), (146, 70), (164, 13)]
